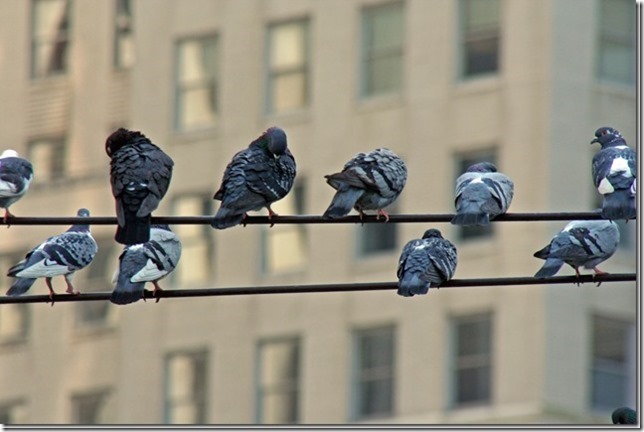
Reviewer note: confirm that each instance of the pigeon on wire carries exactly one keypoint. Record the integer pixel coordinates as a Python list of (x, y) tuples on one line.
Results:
[(482, 193), (256, 177), (16, 174), (147, 262), (425, 263), (140, 174), (369, 181), (60, 255), (582, 243), (615, 174), (624, 415)]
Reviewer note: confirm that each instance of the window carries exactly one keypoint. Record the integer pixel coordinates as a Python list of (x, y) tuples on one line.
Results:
[(50, 37), (286, 247), (382, 49), (288, 69), (91, 408), (278, 381), (197, 83), (47, 156), (123, 39), (15, 318), (196, 242), (377, 237), (616, 56), (373, 373), (99, 275), (613, 363), (472, 360), (186, 387), (463, 162), (14, 412), (480, 36)]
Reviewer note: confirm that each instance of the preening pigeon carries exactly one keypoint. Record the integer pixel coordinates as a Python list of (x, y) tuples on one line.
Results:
[(584, 243), (60, 255), (256, 177), (369, 181), (147, 262), (140, 174), (624, 415), (615, 174), (15, 176), (425, 263), (482, 193)]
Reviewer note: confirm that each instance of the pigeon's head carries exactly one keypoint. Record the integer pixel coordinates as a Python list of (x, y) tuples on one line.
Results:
[(605, 135), (275, 140), (8, 153), (432, 233), (482, 167), (82, 212), (119, 138)]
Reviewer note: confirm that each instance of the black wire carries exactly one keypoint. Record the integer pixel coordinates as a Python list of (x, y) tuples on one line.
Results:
[(304, 219), (325, 288)]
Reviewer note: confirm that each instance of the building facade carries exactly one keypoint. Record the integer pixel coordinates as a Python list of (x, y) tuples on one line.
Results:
[(443, 83)]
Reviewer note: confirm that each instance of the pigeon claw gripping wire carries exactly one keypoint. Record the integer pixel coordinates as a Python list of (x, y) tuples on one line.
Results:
[(382, 212)]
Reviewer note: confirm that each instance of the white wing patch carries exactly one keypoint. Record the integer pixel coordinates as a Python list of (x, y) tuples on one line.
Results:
[(148, 273), (620, 165), (605, 187), (7, 189), (44, 268)]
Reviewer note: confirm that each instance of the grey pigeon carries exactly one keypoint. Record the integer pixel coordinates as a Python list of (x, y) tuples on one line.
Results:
[(584, 243), (255, 178), (16, 174), (624, 415), (482, 193), (615, 174), (60, 255), (425, 263), (369, 181), (147, 262), (140, 174)]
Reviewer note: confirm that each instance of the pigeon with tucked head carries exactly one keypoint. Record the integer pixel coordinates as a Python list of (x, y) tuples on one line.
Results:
[(16, 175)]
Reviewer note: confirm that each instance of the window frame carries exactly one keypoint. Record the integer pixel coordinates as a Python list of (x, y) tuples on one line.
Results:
[(201, 354), (464, 38), (101, 396), (600, 38), (60, 144), (36, 41), (122, 30)]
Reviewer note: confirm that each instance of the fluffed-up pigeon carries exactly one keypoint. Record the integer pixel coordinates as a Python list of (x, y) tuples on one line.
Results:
[(60, 255), (425, 263), (16, 174), (624, 415), (147, 262), (369, 181), (255, 178), (615, 174), (482, 193), (140, 174), (582, 243)]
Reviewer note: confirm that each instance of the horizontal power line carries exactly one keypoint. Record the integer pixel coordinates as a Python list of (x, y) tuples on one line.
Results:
[(305, 219), (326, 288)]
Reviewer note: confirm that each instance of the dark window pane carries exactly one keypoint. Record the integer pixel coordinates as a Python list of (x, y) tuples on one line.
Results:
[(482, 56), (473, 385), (377, 237)]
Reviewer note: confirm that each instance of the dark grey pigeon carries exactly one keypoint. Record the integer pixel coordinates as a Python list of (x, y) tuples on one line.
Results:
[(140, 174), (16, 174), (369, 181), (482, 193), (60, 255), (582, 243), (256, 177), (147, 262), (624, 415), (615, 174), (425, 263)]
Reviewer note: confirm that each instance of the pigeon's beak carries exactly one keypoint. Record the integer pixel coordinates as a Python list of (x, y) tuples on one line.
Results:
[(595, 140), (276, 156)]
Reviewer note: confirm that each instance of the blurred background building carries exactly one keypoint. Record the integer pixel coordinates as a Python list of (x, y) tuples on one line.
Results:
[(443, 83)]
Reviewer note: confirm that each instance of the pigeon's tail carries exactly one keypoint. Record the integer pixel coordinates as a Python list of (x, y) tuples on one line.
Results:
[(126, 292), (469, 213), (342, 203), (619, 205), (549, 269), (135, 230), (226, 218), (411, 284), (20, 286)]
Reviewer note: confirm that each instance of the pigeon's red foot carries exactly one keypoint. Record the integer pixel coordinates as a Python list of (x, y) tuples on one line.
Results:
[(578, 275), (271, 213), (244, 216), (598, 272), (381, 212), (7, 215), (156, 289)]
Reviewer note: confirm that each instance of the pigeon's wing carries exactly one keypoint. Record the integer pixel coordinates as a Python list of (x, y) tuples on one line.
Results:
[(379, 171), (271, 178), (442, 255), (463, 181), (501, 188), (159, 167), (159, 261), (15, 176), (406, 253)]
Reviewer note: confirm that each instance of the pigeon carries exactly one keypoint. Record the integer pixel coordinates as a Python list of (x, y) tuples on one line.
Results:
[(60, 255), (147, 262), (425, 263), (482, 193), (140, 174), (256, 177), (624, 415), (584, 243), (16, 175), (614, 173), (369, 181)]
